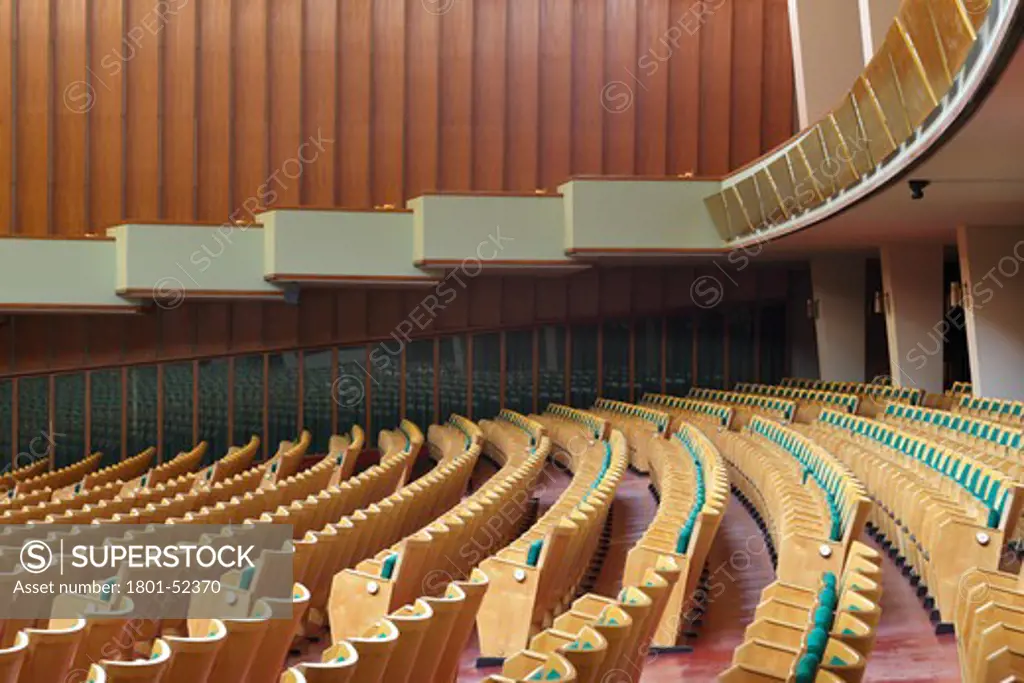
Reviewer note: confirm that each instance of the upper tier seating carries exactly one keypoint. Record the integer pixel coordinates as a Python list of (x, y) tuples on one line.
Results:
[(943, 511)]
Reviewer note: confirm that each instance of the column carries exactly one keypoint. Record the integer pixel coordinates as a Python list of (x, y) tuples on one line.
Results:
[(991, 260), (876, 17), (916, 320), (840, 307), (828, 53)]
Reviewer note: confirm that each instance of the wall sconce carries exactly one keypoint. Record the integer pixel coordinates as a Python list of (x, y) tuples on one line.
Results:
[(877, 304), (813, 309), (956, 295)]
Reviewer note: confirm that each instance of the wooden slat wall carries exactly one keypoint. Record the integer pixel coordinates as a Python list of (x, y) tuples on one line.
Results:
[(41, 343), (446, 94)]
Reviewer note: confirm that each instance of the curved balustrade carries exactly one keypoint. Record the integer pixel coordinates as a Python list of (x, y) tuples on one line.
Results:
[(877, 125)]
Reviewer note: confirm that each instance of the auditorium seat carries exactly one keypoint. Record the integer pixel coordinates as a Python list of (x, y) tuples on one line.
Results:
[(285, 619), (148, 670), (234, 660), (13, 658), (51, 652), (193, 655), (375, 646)]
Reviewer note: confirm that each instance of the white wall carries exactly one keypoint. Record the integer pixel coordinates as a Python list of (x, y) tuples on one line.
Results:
[(991, 265), (915, 314)]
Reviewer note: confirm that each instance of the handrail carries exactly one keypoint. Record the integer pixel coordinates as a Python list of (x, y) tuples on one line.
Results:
[(932, 60)]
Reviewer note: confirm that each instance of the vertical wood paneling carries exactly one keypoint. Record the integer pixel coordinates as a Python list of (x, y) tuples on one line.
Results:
[(654, 53), (285, 100), (490, 55), (422, 104), (280, 324), (140, 51), (33, 112), (250, 124), (457, 96), (621, 65), (556, 49), (354, 103), (588, 76), (215, 120), (142, 336), (8, 31), (213, 327), (389, 102), (316, 317), (320, 67), (106, 86), (73, 332), (134, 110), (747, 76), (778, 86), (716, 89), (521, 145), (350, 319), (179, 115), (70, 59), (247, 325), (105, 337), (684, 109), (178, 332), (32, 335)]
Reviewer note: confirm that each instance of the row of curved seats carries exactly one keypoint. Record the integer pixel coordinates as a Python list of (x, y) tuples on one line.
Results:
[(57, 505), (1004, 411), (809, 401), (594, 427), (817, 620), (639, 424), (607, 639), (22, 471), (989, 624), (431, 528), (433, 572), (873, 395), (58, 479), (690, 409), (536, 577), (692, 484), (746, 405), (941, 511), (992, 443), (256, 643)]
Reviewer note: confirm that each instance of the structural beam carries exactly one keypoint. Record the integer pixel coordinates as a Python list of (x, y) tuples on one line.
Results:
[(840, 307)]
